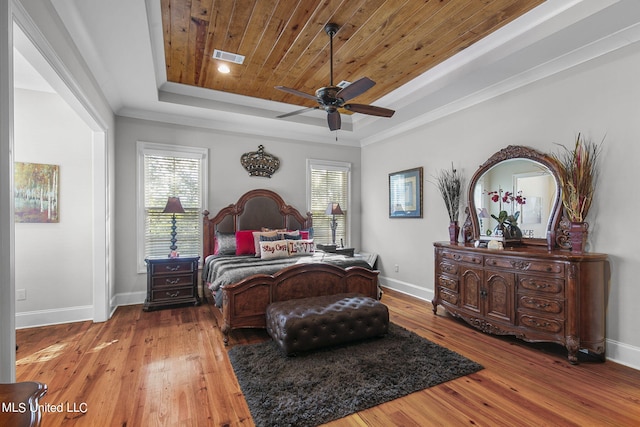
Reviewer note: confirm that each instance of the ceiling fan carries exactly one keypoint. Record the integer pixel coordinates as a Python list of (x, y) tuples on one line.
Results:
[(332, 97)]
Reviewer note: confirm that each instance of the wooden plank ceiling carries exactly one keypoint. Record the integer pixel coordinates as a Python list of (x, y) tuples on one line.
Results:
[(284, 43)]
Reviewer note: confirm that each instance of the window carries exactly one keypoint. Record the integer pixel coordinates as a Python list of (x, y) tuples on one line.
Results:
[(329, 182), (164, 171)]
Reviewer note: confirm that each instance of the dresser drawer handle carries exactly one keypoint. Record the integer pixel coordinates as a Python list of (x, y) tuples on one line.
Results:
[(173, 295), (172, 268), (172, 282)]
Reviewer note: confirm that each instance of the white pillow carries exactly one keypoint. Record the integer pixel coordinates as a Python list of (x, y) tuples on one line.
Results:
[(301, 247), (256, 238), (274, 249)]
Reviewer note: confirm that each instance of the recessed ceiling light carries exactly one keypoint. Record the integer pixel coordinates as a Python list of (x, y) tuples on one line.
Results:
[(224, 69)]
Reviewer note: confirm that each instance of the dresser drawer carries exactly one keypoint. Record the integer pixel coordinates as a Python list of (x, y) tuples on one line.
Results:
[(172, 280), (541, 284), (174, 267), (168, 294), (541, 324), (462, 257), (448, 283), (525, 265), (544, 305), (448, 297), (449, 268)]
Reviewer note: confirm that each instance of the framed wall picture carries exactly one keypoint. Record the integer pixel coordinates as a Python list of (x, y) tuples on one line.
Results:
[(36, 194), (405, 194)]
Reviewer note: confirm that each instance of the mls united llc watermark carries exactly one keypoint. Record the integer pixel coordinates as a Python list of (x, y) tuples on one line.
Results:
[(23, 407)]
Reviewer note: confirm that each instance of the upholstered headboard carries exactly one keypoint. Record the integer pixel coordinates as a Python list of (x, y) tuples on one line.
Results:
[(254, 210)]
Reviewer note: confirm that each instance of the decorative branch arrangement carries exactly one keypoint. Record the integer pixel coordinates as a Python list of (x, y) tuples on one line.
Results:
[(578, 174), (450, 183)]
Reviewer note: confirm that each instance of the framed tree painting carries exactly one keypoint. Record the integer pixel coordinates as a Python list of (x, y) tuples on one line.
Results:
[(405, 194), (36, 192)]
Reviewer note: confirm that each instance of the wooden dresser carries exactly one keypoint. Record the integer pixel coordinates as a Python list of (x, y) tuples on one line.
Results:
[(529, 292), (171, 281)]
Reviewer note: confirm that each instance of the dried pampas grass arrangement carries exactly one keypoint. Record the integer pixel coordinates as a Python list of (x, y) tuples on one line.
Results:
[(578, 175)]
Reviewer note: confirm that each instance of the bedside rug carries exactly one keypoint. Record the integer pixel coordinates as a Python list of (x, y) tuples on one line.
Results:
[(320, 386)]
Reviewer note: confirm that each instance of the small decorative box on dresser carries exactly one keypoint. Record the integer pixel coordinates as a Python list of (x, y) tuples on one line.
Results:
[(171, 281), (528, 292)]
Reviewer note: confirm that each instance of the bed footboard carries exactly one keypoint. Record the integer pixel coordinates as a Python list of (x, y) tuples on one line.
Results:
[(245, 303)]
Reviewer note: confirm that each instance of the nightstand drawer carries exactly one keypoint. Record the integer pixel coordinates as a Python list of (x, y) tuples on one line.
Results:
[(173, 267), (172, 280), (168, 294)]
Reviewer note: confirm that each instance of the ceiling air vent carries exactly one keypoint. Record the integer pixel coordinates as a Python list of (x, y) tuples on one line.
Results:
[(343, 84), (228, 56)]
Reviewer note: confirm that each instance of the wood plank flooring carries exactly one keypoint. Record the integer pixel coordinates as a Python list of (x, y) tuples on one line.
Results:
[(170, 368)]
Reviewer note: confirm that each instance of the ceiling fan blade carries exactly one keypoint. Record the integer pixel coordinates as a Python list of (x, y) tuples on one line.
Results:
[(293, 113), (333, 118), (296, 92), (356, 88), (372, 110)]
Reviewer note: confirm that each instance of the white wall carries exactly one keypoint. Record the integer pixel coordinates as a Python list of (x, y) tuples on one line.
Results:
[(53, 261), (228, 180), (598, 98)]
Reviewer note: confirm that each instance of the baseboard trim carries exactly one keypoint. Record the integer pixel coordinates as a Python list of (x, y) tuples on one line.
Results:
[(34, 319), (129, 298), (623, 354), (406, 288), (617, 352)]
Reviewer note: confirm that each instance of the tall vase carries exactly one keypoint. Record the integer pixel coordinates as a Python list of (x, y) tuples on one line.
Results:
[(578, 232), (454, 231)]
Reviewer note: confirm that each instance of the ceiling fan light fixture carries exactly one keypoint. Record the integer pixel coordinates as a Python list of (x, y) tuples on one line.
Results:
[(331, 98), (224, 69)]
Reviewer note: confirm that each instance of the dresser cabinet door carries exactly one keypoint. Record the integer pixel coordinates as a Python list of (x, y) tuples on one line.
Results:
[(471, 289), (499, 295)]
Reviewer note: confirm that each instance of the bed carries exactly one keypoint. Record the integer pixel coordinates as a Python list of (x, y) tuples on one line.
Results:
[(260, 250)]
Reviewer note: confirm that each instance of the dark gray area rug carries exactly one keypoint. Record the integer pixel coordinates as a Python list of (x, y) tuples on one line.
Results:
[(316, 387)]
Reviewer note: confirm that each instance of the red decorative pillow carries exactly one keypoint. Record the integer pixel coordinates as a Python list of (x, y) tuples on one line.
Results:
[(244, 242)]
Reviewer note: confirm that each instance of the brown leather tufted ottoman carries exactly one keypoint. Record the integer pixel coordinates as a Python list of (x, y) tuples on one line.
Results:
[(310, 323)]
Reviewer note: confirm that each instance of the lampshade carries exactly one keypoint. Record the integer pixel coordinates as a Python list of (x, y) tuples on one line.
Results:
[(334, 209), (173, 206)]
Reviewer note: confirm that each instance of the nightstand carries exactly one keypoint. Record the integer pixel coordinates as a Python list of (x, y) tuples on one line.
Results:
[(171, 281), (336, 250)]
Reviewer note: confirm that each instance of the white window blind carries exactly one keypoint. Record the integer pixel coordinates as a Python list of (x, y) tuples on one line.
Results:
[(169, 172), (329, 182)]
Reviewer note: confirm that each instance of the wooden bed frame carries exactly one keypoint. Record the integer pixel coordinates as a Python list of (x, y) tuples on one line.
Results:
[(244, 303)]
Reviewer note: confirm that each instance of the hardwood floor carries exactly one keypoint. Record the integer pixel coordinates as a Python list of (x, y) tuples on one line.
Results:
[(170, 368)]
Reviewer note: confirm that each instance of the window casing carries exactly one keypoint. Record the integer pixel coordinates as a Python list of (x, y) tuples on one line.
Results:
[(164, 171), (329, 182)]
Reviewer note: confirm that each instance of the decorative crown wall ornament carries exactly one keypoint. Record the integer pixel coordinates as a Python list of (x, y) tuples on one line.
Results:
[(260, 163)]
